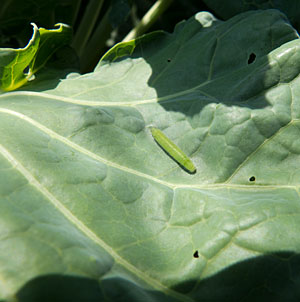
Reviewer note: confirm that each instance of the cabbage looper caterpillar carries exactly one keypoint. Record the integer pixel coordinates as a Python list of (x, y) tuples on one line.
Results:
[(177, 154)]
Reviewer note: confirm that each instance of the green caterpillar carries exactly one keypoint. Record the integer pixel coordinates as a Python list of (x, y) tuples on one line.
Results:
[(177, 154)]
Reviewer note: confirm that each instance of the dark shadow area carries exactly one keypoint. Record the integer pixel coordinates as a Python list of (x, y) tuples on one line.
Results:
[(62, 288), (63, 62), (209, 61), (274, 277)]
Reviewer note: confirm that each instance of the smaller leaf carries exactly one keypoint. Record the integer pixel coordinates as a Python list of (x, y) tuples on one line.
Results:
[(127, 48), (50, 41), (13, 62), (17, 66)]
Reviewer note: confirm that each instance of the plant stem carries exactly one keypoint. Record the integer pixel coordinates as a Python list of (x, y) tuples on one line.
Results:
[(75, 11), (89, 57), (87, 25), (149, 18)]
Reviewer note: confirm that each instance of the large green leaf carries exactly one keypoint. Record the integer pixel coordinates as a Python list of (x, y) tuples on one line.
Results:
[(93, 210)]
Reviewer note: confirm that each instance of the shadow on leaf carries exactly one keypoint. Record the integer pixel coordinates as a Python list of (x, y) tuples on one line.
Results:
[(274, 277)]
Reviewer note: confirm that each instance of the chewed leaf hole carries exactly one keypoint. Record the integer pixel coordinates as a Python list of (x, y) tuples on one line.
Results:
[(196, 254), (252, 178), (251, 58), (26, 70)]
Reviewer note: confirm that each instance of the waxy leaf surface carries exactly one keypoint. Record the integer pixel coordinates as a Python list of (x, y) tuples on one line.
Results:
[(90, 205)]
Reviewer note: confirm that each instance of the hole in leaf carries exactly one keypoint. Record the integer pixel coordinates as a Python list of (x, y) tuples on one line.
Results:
[(196, 255), (26, 70), (251, 58), (252, 178), (169, 60)]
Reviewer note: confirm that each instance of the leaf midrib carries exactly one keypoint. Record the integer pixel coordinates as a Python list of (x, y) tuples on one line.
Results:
[(88, 232), (96, 157)]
